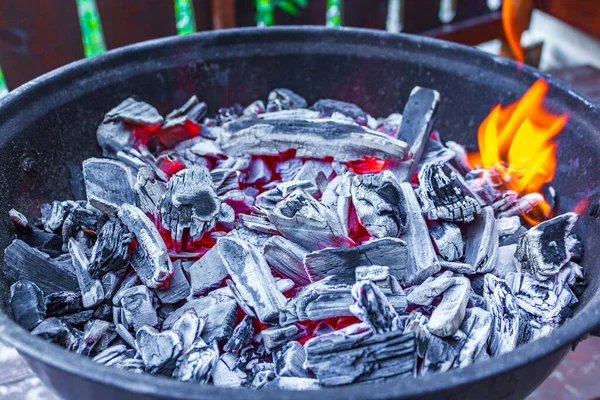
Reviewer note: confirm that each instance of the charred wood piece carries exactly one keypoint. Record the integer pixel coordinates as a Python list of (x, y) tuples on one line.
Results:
[(137, 304), (92, 292), (371, 306), (148, 190), (189, 327), (58, 332), (287, 259), (481, 251), (477, 328), (61, 303), (327, 107), (207, 273), (289, 360), (178, 289), (111, 250), (108, 184), (27, 304), (447, 239), (225, 180), (284, 99), (276, 336), (159, 350), (135, 112), (197, 364), (450, 313), (426, 292), (241, 336), (506, 261), (97, 335)]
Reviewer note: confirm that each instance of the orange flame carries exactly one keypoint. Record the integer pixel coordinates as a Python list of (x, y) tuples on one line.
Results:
[(515, 143), (511, 31)]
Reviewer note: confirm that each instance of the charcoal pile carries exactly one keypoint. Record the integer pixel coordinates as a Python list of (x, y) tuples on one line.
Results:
[(288, 246)]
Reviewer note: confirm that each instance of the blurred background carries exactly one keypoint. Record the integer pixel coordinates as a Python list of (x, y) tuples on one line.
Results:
[(561, 37)]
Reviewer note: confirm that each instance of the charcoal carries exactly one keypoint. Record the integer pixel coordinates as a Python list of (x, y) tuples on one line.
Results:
[(126, 336), (207, 273), (342, 262), (111, 250), (506, 261), (189, 327), (266, 201), (110, 353), (178, 289), (422, 260), (284, 99), (426, 292), (58, 332), (76, 182), (417, 324), (521, 206), (308, 223), (577, 279), (159, 350), (292, 383), (129, 281), (241, 335), (46, 242), (92, 292), (447, 239), (135, 112), (138, 308), (258, 224), (61, 303), (322, 328), (97, 335), (371, 306), (255, 108), (310, 138), (288, 169), (53, 216), (182, 123), (226, 114), (78, 318), (380, 204), (148, 190), (544, 249), (150, 259), (262, 378), (326, 108), (576, 248), (508, 225), (375, 273), (108, 184), (435, 151), (51, 275), (477, 327), (286, 259), (27, 304), (289, 360), (340, 358), (226, 373), (196, 365), (276, 336), (225, 180), (252, 278), (338, 195), (539, 298), (312, 168), (103, 312), (192, 109), (450, 313), (415, 128), (258, 172), (110, 283), (481, 251)]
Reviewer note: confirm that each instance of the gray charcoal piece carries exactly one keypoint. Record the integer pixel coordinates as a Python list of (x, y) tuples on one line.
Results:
[(287, 259), (422, 260), (159, 350), (252, 278), (189, 327), (477, 327), (108, 184), (323, 328), (308, 223), (193, 109), (97, 335), (297, 113), (189, 203), (115, 138), (257, 239), (426, 292), (255, 108), (326, 108), (310, 138), (544, 249), (178, 289), (506, 261), (289, 360), (225, 179), (442, 197), (148, 190), (135, 112), (103, 312), (266, 201), (258, 224), (380, 204), (417, 324), (342, 262), (482, 240), (262, 378), (27, 304), (110, 353), (258, 172), (311, 169), (226, 373), (111, 250), (58, 332), (150, 259), (110, 284), (241, 335), (288, 169), (129, 281), (78, 318), (450, 313), (22, 261), (92, 292), (137, 304), (284, 99), (53, 216), (61, 303), (276, 336), (293, 383), (542, 299), (447, 239), (126, 336), (371, 306), (508, 225), (338, 195), (197, 364), (375, 273), (340, 358), (207, 273), (435, 151)]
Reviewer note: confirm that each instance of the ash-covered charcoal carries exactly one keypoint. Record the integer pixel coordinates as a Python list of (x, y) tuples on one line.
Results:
[(340, 358), (135, 112), (450, 313), (103, 312), (53, 216), (61, 303), (426, 292), (226, 372), (92, 292), (506, 261), (287, 259), (46, 242), (477, 327), (111, 250), (258, 224), (189, 327), (255, 108), (322, 328), (258, 172), (196, 365), (442, 197), (110, 284), (436, 151), (311, 169), (380, 204), (284, 99), (178, 289), (542, 299), (150, 259), (576, 247), (79, 318), (58, 332), (308, 223), (327, 107), (148, 190), (207, 273), (276, 336), (544, 249), (108, 184), (27, 304), (225, 179), (138, 307), (97, 335), (241, 335), (481, 250), (310, 138), (268, 200), (342, 262), (289, 360), (371, 306), (182, 123), (159, 350), (288, 169), (448, 240)]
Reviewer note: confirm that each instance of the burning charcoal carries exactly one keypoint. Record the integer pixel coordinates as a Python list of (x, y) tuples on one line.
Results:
[(259, 224), (340, 358), (538, 298), (50, 275), (448, 240), (225, 180), (192, 109), (426, 292), (138, 307), (288, 169), (226, 114), (61, 303), (197, 364), (178, 289), (241, 335), (308, 223), (477, 327), (182, 123), (148, 190), (326, 107), (135, 112), (27, 304), (506, 261), (521, 206), (189, 327), (422, 260), (189, 202), (287, 259), (255, 108), (338, 195), (289, 360), (380, 205), (252, 277), (78, 318), (110, 283), (442, 197), (435, 151), (371, 306), (416, 125), (576, 247), (342, 262), (450, 313), (284, 99), (92, 292), (276, 336), (96, 337), (159, 350), (258, 172), (226, 372), (310, 138), (103, 312), (111, 250), (481, 251), (207, 273), (53, 216), (108, 184), (544, 248), (57, 331), (150, 259), (312, 168), (268, 200)]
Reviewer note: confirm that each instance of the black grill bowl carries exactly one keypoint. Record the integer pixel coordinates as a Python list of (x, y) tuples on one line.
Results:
[(51, 122)]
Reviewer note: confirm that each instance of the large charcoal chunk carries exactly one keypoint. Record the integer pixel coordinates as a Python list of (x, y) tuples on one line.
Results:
[(97, 335), (138, 307), (426, 292), (289, 360), (159, 350), (327, 107), (481, 250), (197, 364), (178, 289), (61, 303), (477, 327), (450, 313), (27, 304), (59, 332), (189, 327), (135, 112), (371, 306), (150, 259), (92, 292), (111, 250), (207, 273), (148, 190), (108, 184), (287, 259), (448, 240), (241, 335), (284, 99), (276, 336)]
